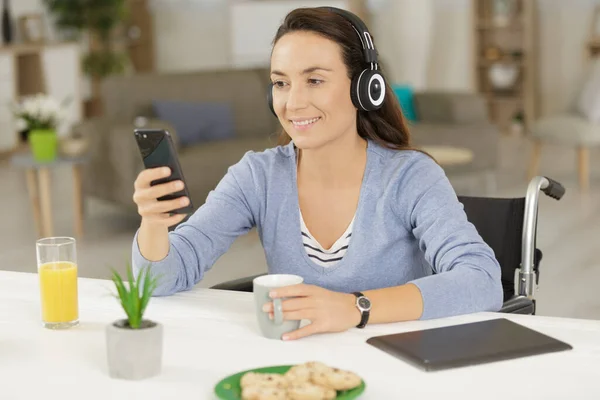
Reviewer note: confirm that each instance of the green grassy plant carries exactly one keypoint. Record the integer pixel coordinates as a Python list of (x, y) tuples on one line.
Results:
[(134, 297)]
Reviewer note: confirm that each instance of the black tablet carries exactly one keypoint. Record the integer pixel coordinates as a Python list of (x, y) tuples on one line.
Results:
[(467, 344)]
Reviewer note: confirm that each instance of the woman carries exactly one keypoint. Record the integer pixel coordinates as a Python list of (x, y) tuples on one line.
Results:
[(343, 201)]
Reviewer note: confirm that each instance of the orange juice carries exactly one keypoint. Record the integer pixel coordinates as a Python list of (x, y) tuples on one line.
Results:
[(58, 287)]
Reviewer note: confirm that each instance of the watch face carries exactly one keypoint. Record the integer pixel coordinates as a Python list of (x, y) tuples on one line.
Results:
[(364, 303)]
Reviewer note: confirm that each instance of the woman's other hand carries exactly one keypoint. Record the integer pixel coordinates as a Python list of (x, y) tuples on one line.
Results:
[(328, 311)]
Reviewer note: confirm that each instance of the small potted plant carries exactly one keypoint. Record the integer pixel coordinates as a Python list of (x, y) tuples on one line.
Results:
[(40, 115), (134, 344)]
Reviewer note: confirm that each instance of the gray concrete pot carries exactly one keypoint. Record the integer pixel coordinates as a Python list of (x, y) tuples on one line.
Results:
[(134, 353)]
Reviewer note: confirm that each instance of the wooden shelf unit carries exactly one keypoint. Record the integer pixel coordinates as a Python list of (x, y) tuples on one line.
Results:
[(512, 42), (592, 49), (28, 69)]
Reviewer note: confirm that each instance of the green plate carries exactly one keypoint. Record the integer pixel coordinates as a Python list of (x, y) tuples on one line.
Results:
[(229, 388)]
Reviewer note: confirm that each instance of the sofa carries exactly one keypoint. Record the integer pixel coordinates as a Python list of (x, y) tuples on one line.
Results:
[(114, 161)]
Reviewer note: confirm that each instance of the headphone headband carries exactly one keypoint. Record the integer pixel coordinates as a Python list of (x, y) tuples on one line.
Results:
[(369, 51)]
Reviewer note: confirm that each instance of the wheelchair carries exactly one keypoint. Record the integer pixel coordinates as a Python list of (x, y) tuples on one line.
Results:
[(509, 227)]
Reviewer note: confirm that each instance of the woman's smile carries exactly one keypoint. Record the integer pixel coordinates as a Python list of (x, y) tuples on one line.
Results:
[(304, 124)]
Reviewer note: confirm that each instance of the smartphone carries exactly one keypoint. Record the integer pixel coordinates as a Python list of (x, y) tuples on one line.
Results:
[(157, 150)]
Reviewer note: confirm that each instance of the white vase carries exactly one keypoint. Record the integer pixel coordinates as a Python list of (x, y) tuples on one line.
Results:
[(503, 76), (502, 11), (404, 38)]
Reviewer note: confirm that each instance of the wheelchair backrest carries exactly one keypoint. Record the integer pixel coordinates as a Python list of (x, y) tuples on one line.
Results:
[(500, 224)]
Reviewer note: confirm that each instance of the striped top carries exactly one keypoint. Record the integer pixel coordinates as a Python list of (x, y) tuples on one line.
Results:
[(319, 255)]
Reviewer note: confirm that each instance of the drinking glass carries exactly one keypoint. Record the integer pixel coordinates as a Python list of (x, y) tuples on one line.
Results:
[(57, 270)]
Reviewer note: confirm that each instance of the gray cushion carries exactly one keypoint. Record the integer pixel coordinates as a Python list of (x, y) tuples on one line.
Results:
[(197, 122), (450, 107), (569, 129)]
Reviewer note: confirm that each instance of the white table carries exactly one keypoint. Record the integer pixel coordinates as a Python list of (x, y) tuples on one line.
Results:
[(210, 334)]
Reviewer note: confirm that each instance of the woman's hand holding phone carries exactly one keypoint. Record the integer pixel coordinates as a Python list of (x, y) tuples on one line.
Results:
[(153, 211)]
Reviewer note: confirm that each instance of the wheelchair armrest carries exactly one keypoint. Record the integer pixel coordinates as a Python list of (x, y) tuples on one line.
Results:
[(238, 285), (519, 305)]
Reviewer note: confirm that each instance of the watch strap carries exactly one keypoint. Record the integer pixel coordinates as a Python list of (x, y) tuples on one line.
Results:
[(364, 314)]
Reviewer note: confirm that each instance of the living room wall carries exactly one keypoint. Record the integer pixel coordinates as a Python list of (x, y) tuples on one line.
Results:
[(191, 35), (195, 34), (563, 28)]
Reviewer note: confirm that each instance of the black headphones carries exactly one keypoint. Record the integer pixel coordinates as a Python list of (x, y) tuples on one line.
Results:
[(367, 90)]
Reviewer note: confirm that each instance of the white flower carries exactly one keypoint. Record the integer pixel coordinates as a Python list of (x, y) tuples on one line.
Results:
[(48, 109), (42, 109), (30, 107), (21, 124)]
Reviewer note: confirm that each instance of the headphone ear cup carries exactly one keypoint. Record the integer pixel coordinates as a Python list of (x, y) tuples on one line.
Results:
[(363, 90), (376, 88), (370, 88), (354, 92), (270, 98)]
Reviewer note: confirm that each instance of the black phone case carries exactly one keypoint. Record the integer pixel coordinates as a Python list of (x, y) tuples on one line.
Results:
[(157, 150)]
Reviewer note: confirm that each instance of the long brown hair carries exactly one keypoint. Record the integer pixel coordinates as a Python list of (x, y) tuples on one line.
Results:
[(386, 126)]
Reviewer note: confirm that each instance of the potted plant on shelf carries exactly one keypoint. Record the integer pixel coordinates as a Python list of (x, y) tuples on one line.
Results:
[(40, 116), (134, 344), (100, 22)]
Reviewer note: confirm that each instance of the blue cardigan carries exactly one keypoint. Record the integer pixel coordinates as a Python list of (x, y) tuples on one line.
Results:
[(409, 227)]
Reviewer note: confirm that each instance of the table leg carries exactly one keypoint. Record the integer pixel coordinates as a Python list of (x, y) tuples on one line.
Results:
[(45, 197), (583, 157), (78, 200), (34, 197)]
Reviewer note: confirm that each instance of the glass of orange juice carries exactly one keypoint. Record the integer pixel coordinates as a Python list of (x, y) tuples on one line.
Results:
[(57, 270)]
